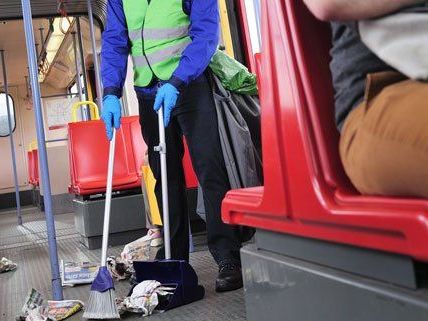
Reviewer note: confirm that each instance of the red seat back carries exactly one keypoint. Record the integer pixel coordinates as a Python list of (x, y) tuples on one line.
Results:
[(30, 166), (35, 167), (88, 152), (139, 147), (306, 192)]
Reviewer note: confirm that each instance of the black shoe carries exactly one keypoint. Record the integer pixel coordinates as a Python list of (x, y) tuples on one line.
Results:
[(229, 277)]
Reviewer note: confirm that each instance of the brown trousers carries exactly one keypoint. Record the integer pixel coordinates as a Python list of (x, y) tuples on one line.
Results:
[(384, 141)]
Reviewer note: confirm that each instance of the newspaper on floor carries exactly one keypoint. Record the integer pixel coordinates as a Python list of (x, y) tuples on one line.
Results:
[(144, 298), (61, 310), (35, 309), (33, 300), (73, 273), (7, 265), (38, 314)]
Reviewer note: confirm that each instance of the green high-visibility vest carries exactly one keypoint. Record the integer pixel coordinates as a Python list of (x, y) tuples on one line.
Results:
[(159, 33)]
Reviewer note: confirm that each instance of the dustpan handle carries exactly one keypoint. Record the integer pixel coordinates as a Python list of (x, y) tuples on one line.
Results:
[(108, 199), (164, 179)]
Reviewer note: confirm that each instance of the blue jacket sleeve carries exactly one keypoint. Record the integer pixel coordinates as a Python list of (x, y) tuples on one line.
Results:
[(204, 32), (115, 49)]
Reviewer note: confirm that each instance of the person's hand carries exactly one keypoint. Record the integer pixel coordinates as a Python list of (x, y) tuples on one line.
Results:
[(111, 114), (167, 97)]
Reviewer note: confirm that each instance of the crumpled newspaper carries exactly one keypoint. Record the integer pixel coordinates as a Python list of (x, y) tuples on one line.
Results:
[(7, 265), (144, 298), (38, 314), (138, 250), (119, 269)]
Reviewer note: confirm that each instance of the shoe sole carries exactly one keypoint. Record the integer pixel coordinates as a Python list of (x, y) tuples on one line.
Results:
[(226, 287)]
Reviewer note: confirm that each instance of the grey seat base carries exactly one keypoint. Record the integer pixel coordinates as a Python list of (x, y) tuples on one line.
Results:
[(127, 220), (120, 238), (279, 287), (37, 199)]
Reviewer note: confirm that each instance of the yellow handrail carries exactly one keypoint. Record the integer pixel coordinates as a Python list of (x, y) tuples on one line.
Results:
[(93, 110)]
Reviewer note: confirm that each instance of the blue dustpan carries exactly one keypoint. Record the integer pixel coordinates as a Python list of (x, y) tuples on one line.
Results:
[(175, 273)]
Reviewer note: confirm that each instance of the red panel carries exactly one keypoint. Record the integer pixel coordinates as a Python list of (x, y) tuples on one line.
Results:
[(306, 192), (189, 173)]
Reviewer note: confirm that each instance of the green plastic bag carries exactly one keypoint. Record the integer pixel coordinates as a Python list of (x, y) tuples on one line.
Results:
[(234, 76)]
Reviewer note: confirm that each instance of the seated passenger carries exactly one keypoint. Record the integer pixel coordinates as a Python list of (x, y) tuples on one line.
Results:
[(381, 114)]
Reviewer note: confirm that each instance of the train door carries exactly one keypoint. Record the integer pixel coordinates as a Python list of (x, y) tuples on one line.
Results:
[(6, 176)]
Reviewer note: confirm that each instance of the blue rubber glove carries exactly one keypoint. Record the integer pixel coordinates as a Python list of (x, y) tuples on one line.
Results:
[(167, 97), (111, 114)]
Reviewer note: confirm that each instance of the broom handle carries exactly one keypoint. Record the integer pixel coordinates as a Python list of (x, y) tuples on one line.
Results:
[(164, 179), (108, 199)]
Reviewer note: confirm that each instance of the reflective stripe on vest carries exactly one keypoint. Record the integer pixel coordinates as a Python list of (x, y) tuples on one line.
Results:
[(159, 34), (160, 55)]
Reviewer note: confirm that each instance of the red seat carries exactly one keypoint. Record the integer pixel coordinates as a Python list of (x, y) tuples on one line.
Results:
[(306, 192), (33, 167), (88, 153), (30, 166)]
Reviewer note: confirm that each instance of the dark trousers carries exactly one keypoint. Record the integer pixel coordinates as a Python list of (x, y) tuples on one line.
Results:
[(195, 118)]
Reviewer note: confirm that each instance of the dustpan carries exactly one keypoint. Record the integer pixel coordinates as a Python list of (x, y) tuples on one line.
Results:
[(178, 274)]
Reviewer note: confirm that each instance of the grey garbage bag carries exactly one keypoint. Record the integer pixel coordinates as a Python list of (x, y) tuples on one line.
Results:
[(239, 128), (240, 137)]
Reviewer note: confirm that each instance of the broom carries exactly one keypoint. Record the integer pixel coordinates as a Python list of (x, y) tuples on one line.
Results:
[(101, 303)]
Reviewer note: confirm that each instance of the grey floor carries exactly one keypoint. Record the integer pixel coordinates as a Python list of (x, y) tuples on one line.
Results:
[(27, 246)]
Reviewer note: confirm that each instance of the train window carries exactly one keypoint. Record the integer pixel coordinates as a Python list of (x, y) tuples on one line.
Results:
[(4, 123), (253, 18), (73, 89)]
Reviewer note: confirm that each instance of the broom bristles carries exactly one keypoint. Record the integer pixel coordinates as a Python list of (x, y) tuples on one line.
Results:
[(101, 305)]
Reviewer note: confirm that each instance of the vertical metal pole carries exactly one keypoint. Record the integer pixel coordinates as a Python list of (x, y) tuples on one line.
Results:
[(83, 64), (50, 223), (164, 181), (12, 144), (94, 51), (82, 56), (78, 83)]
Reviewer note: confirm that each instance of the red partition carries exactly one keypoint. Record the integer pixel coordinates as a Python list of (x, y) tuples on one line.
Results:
[(306, 192)]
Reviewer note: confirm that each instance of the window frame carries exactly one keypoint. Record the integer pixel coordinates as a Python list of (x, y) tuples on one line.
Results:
[(14, 114)]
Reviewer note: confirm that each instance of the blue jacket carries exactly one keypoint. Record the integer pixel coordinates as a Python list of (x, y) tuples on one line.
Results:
[(204, 32)]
